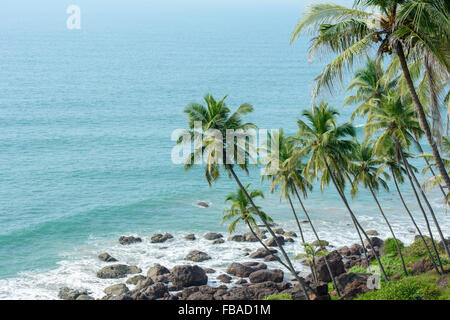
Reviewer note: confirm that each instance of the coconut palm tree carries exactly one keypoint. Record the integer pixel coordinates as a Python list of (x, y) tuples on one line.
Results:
[(288, 177), (327, 147), (396, 124), (385, 27), (216, 118), (365, 169), (372, 82), (242, 211)]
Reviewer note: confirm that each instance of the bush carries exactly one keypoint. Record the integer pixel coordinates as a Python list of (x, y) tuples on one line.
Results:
[(410, 288), (417, 248), (281, 296), (390, 248), (392, 265)]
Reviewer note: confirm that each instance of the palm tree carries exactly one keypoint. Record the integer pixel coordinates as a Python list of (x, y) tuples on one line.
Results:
[(288, 177), (217, 116), (396, 125), (384, 26), (372, 82), (241, 210), (326, 144), (365, 169)]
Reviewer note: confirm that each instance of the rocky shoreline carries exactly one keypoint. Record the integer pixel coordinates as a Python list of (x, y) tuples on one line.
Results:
[(250, 280)]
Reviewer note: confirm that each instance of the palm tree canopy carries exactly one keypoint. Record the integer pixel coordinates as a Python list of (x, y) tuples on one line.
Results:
[(289, 173), (321, 139), (365, 168), (241, 209), (373, 25), (392, 120), (217, 116)]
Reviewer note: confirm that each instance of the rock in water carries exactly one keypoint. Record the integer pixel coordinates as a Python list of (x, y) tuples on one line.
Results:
[(262, 252), (116, 289), (224, 278), (106, 257), (159, 238), (157, 270), (124, 240), (213, 236), (71, 294), (190, 236), (272, 242), (117, 271), (372, 232), (187, 275), (203, 204), (197, 256), (236, 238)]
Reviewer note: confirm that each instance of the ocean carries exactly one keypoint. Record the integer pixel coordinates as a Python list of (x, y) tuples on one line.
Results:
[(86, 118)]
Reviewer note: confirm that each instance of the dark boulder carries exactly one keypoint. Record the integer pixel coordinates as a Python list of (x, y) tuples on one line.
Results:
[(187, 275), (106, 257), (190, 236), (237, 238), (336, 265), (266, 275), (160, 238), (117, 271), (71, 294), (124, 240), (157, 270), (197, 256), (375, 242), (224, 278), (213, 236), (262, 253), (116, 289), (352, 284), (273, 243)]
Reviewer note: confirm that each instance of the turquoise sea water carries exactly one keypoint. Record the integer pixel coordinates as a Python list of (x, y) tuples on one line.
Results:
[(86, 118)]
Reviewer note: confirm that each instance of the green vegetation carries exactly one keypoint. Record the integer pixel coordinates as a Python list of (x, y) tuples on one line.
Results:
[(357, 269), (390, 247), (421, 287), (281, 296)]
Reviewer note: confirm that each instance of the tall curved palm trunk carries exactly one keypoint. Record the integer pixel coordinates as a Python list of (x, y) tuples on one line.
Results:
[(311, 264), (408, 171), (390, 229), (421, 114), (267, 225), (433, 216), (355, 221), (333, 279), (414, 222)]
